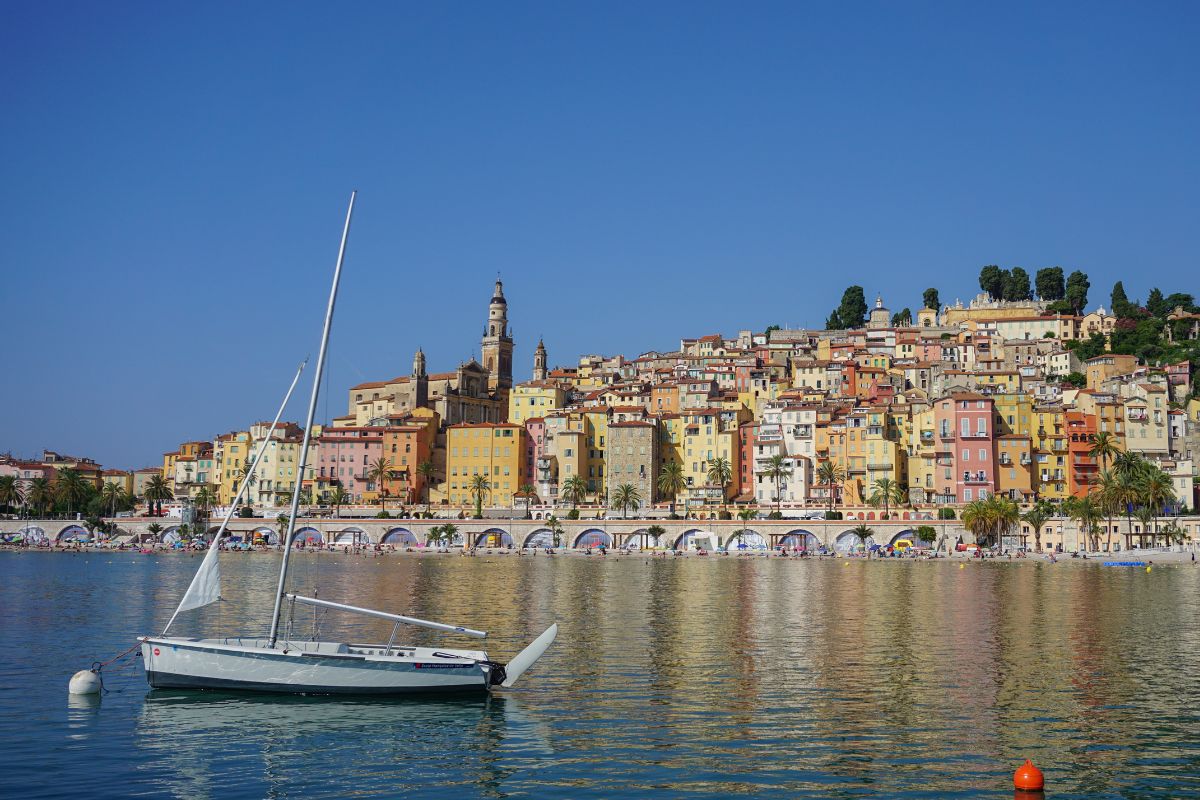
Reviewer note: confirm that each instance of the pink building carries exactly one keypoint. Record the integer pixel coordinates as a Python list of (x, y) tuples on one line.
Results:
[(535, 445), (24, 471), (346, 455), (966, 448)]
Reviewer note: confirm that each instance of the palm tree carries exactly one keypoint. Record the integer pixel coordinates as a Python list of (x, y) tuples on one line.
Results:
[(449, 531), (427, 470), (1088, 514), (434, 536), (204, 500), (989, 520), (479, 487), (886, 492), (1123, 490), (70, 487), (155, 529), (627, 495), (1144, 515), (380, 471), (112, 495), (556, 530), (1131, 464), (1104, 447), (653, 532), (157, 489), (1157, 491), (829, 475), (1036, 517), (1108, 494), (720, 472), (574, 490), (671, 481), (337, 499), (527, 491), (864, 532), (281, 524), (12, 494), (40, 494), (777, 469)]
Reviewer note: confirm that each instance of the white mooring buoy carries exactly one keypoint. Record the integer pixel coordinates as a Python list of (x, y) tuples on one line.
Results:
[(85, 682)]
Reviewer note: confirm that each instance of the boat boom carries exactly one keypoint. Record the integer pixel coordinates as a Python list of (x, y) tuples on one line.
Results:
[(370, 612)]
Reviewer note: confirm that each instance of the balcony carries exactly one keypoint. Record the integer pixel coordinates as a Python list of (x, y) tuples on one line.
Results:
[(946, 436), (1005, 461), (926, 436), (879, 465), (976, 435), (975, 477)]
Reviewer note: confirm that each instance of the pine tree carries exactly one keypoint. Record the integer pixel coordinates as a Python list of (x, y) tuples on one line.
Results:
[(1016, 285), (1077, 291), (931, 299), (1049, 284)]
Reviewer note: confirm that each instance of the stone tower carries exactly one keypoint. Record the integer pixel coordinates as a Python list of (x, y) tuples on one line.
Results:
[(421, 380), (539, 362), (497, 344)]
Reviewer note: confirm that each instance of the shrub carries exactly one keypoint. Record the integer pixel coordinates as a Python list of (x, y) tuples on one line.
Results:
[(573, 513), (775, 515), (946, 513), (383, 515), (245, 511), (834, 515)]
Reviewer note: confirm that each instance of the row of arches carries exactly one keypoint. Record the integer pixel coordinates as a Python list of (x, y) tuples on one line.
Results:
[(743, 540)]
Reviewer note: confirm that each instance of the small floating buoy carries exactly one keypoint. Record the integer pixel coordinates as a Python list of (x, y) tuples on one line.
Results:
[(1028, 778), (845, 563), (85, 682), (1149, 568), (962, 566)]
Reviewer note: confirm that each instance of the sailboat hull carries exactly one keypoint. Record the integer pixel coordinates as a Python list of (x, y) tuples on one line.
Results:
[(311, 667)]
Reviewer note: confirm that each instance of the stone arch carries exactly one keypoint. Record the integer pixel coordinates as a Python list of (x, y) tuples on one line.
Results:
[(848, 542), (34, 535), (800, 539), (634, 540), (907, 533), (746, 539), (268, 535), (352, 536), (870, 515), (73, 532), (401, 536), (593, 537), (542, 537), (309, 535), (683, 540), (493, 537), (170, 535)]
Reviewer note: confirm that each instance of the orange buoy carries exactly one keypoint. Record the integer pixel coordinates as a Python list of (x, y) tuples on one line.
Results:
[(1028, 777)]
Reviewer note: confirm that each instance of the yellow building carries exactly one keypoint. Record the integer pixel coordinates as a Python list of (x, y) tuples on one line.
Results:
[(120, 478), (1014, 413), (1050, 453), (534, 399), (278, 470), (229, 455), (1014, 466), (493, 450), (706, 437), (922, 463)]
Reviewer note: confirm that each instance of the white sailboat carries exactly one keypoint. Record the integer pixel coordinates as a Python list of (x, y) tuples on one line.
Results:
[(279, 663)]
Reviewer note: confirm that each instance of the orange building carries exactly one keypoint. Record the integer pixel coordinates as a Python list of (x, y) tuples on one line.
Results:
[(1082, 468)]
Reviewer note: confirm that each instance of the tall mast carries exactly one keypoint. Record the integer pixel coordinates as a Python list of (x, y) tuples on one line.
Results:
[(308, 425)]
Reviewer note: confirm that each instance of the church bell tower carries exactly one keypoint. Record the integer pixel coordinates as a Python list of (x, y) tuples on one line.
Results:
[(497, 344)]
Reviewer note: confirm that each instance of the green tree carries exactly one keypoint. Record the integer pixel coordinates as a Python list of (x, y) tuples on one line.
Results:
[(902, 318), (720, 473), (886, 492), (1156, 304), (40, 495), (833, 322), (247, 477), (379, 472), (449, 531), (625, 496), (777, 470), (155, 529), (926, 533), (830, 475), (654, 532), (1076, 294), (70, 488), (204, 500), (1104, 447), (1085, 511), (991, 280), (1050, 284), (671, 481), (1037, 517), (931, 299), (1157, 491), (12, 493), (556, 531), (864, 533), (853, 308), (1121, 307), (338, 498), (157, 490), (479, 486), (1016, 285), (574, 490)]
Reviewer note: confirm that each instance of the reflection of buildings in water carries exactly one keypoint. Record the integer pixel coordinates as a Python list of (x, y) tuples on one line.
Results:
[(201, 742)]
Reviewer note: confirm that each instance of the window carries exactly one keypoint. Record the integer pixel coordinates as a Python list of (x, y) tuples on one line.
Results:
[(966, 455), (967, 494), (983, 455)]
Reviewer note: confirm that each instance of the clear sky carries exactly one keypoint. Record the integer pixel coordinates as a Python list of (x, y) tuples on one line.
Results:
[(174, 177)]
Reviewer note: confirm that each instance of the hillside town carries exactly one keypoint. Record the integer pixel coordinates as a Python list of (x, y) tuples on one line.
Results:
[(1003, 396)]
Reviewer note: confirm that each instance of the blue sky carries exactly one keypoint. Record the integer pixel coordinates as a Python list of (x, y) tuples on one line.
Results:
[(175, 176)]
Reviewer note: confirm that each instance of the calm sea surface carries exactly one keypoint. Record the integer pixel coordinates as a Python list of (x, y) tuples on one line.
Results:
[(671, 678)]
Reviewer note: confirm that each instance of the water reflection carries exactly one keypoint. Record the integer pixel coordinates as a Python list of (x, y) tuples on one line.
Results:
[(688, 677)]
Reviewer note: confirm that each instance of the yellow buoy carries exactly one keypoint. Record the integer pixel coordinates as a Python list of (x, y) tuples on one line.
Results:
[(962, 566), (845, 563), (1149, 568)]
